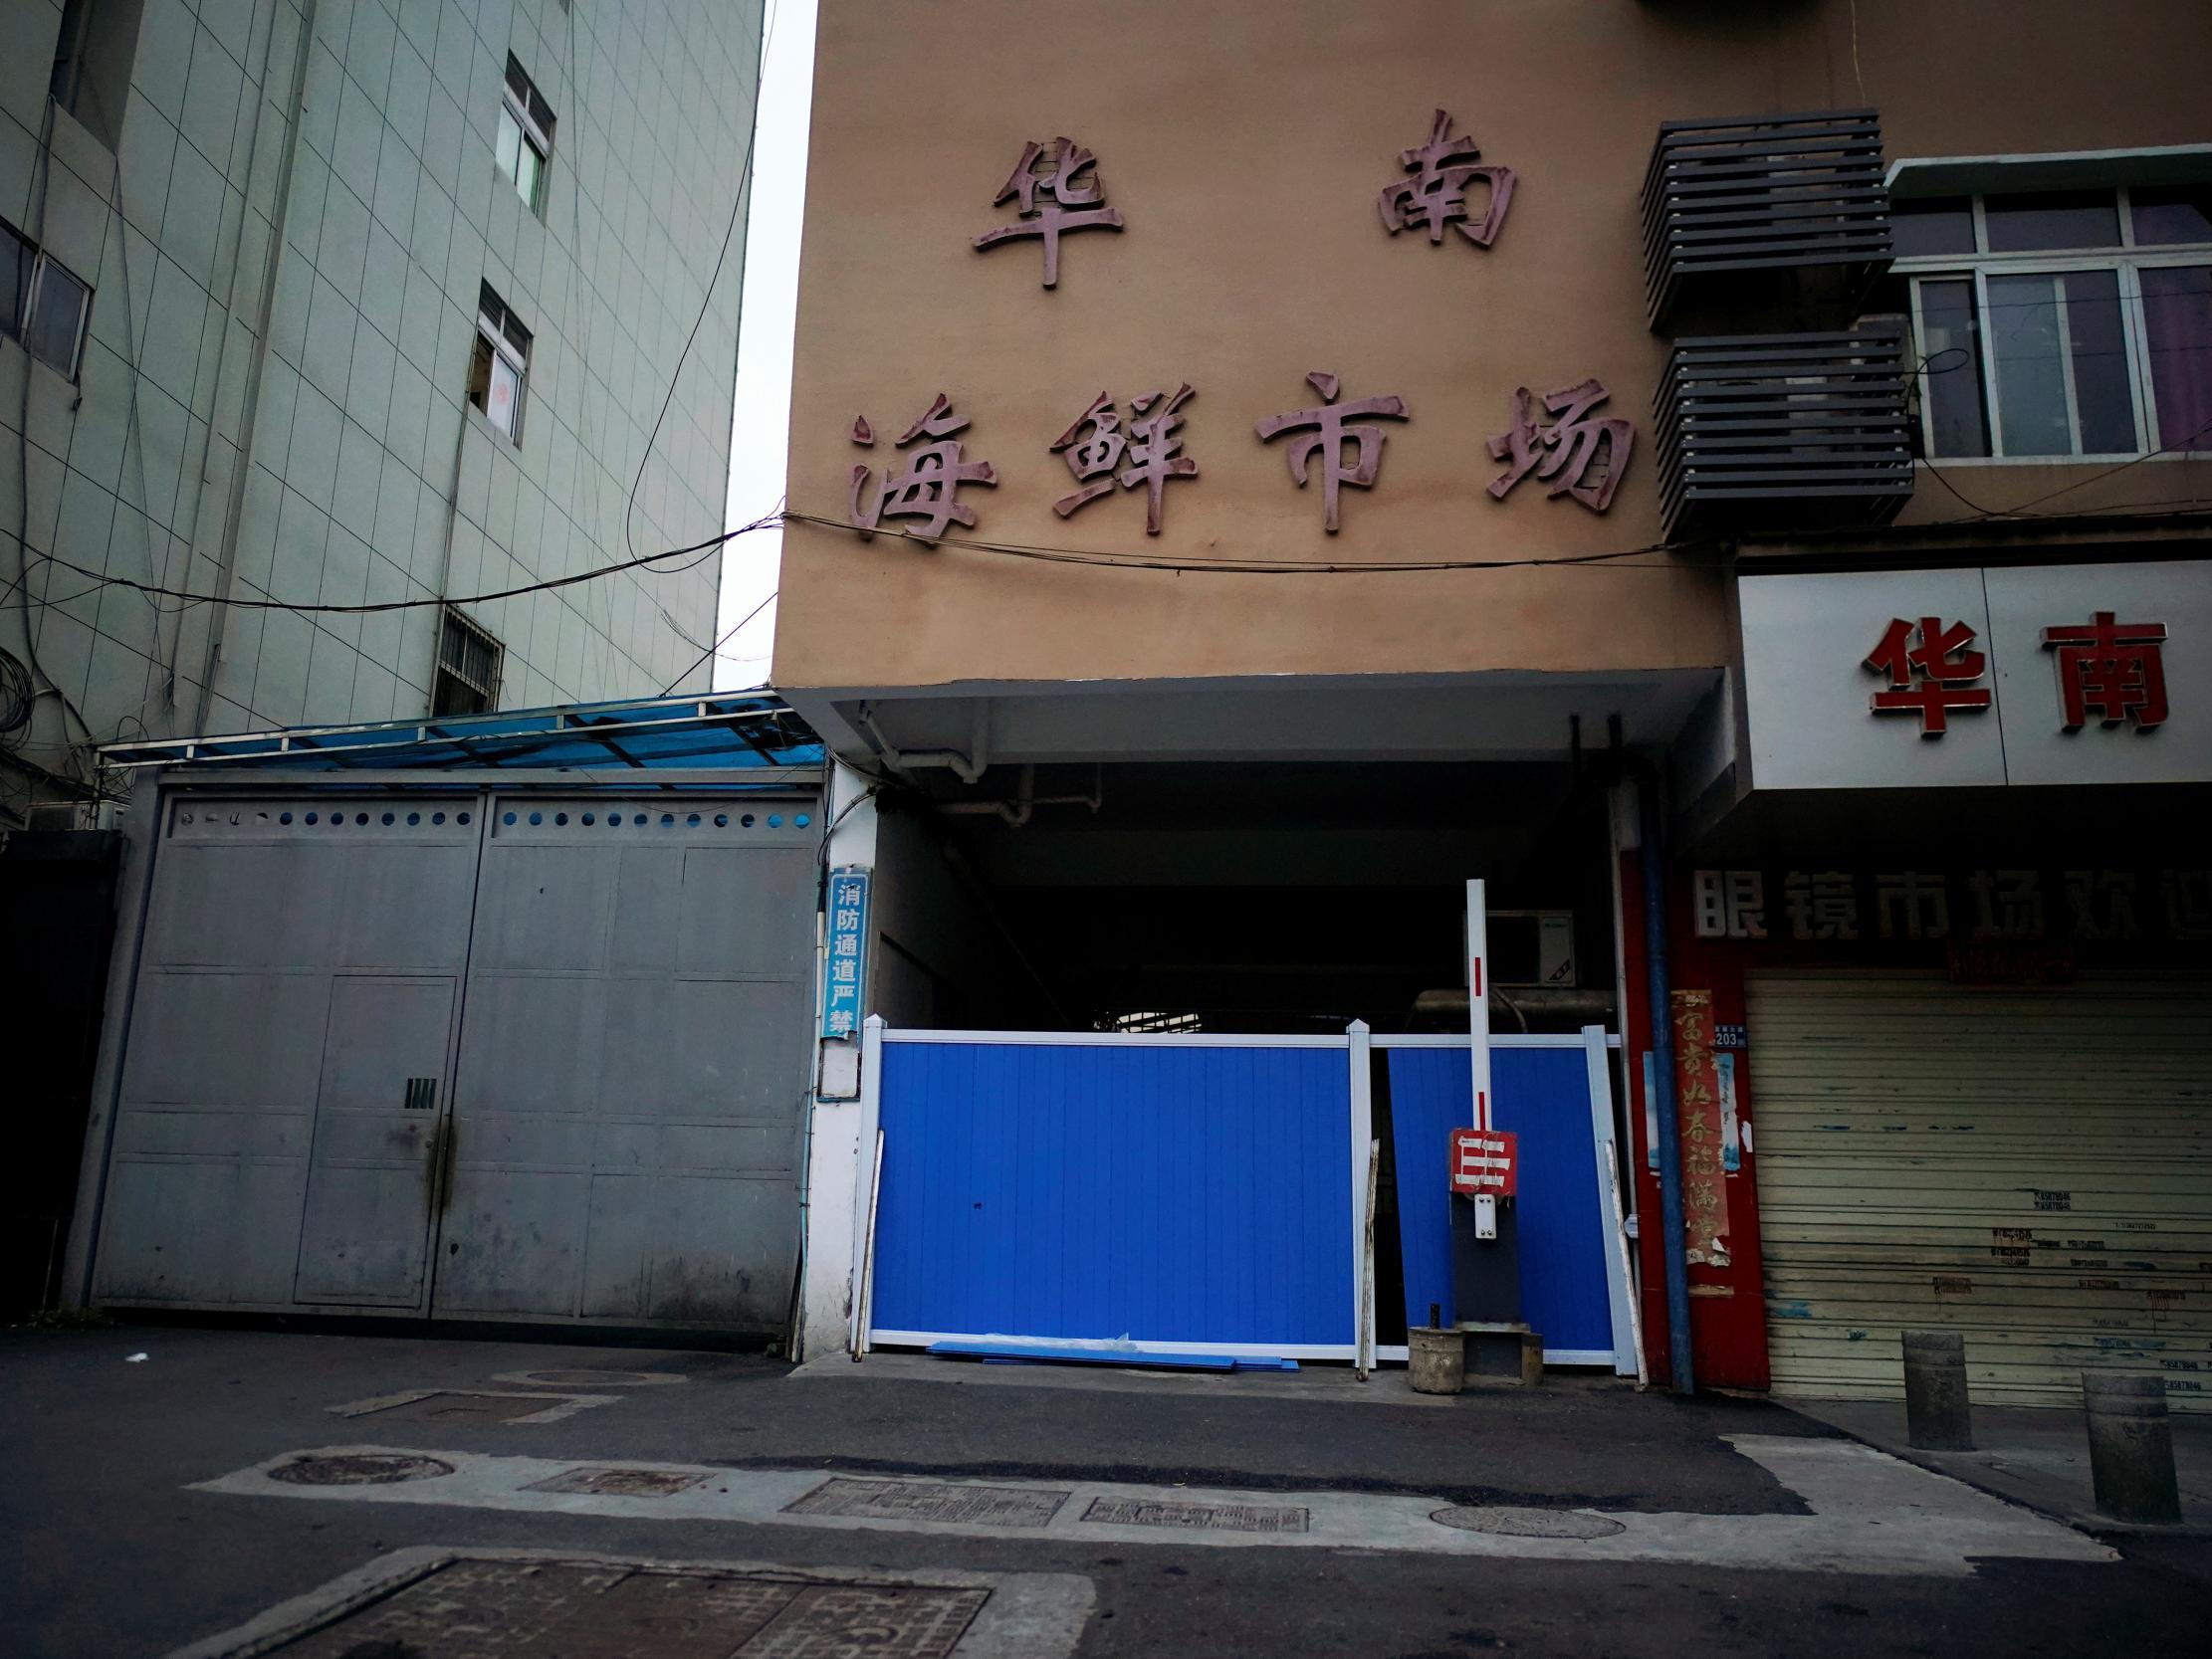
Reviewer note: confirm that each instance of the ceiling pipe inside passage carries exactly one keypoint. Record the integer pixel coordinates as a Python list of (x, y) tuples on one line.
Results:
[(969, 769), (1016, 811)]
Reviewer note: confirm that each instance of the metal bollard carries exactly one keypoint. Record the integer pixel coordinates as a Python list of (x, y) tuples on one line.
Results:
[(1937, 1415), (2131, 1448)]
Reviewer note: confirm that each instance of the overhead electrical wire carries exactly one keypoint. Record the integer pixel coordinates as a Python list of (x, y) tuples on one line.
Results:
[(703, 549), (714, 648), (1200, 564)]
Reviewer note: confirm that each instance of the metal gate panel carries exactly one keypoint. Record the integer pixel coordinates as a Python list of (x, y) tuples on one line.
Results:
[(2030, 1166), (258, 903), (1186, 1194), (1572, 1292), (377, 1116), (633, 1063)]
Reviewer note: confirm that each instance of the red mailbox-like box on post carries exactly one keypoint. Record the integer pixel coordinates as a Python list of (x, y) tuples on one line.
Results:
[(1484, 1160)]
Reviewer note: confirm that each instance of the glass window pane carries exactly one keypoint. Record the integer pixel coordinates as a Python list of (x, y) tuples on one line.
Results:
[(15, 279), (1938, 225), (505, 401), (2177, 313), (525, 174), (2027, 224), (2166, 216), (2103, 389), (1952, 373), (57, 311), (480, 374), (2031, 376), (510, 140)]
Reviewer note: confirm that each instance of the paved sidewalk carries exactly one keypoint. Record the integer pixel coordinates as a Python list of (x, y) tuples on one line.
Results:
[(2036, 1456), (153, 1503)]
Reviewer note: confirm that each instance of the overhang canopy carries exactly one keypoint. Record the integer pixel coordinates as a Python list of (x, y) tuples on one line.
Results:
[(745, 731)]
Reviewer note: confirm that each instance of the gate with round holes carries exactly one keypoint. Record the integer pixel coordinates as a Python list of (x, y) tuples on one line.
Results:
[(525, 1047)]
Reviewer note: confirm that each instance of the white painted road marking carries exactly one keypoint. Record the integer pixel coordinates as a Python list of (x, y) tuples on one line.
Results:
[(1871, 1512)]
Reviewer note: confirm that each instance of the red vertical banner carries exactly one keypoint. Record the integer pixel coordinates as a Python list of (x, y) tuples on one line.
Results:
[(1697, 1097)]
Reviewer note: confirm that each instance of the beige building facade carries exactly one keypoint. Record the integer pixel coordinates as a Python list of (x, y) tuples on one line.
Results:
[(1245, 147), (1846, 697)]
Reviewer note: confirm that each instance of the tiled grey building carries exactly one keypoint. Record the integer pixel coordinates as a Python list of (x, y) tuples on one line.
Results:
[(355, 301)]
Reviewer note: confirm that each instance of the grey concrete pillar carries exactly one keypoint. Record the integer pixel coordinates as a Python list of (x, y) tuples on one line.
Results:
[(1938, 1417), (2132, 1447)]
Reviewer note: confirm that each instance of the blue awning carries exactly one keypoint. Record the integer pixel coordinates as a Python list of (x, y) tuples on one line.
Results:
[(750, 730)]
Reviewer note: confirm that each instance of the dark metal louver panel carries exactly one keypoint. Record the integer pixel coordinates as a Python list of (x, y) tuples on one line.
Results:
[(1772, 433), (1762, 193)]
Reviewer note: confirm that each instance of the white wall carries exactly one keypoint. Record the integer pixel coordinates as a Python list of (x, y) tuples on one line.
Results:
[(835, 1127), (364, 457)]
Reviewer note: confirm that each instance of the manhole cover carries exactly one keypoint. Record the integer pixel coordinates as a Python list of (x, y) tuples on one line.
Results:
[(592, 1611), (359, 1469), (586, 1378), (1525, 1522), (619, 1483), (985, 1505), (1219, 1517)]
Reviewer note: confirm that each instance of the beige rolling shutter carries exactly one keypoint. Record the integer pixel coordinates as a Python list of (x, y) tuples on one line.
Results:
[(2031, 1167)]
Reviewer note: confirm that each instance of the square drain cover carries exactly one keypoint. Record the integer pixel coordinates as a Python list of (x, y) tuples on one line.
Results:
[(985, 1506), (588, 1611), (471, 1405), (619, 1483), (1219, 1517)]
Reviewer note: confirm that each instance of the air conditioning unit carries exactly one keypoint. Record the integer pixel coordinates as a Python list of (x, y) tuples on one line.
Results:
[(54, 816), (1532, 947)]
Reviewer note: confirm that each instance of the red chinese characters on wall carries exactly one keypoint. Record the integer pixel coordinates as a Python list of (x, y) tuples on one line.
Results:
[(2108, 671), (1933, 669), (1053, 198), (928, 488), (2113, 670), (1095, 445), (1568, 452), (1328, 436), (1436, 194)]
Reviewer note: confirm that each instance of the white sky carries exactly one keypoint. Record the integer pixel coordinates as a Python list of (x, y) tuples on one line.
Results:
[(764, 402)]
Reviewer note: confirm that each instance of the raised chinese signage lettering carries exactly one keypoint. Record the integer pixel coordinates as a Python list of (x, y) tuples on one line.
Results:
[(2111, 669), (1730, 904), (1329, 436), (929, 487), (1931, 670), (1096, 445), (1052, 200), (1436, 194), (1998, 907), (846, 939), (1566, 451)]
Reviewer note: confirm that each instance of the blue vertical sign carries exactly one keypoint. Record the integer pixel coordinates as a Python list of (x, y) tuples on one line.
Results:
[(842, 975)]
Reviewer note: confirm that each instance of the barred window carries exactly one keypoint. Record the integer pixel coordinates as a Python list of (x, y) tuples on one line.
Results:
[(468, 659)]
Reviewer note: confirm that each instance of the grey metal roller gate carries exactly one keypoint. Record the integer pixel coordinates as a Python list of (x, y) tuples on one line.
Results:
[(2031, 1167), (481, 1053)]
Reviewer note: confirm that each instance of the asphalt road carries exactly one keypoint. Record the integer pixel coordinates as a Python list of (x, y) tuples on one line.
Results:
[(111, 1552)]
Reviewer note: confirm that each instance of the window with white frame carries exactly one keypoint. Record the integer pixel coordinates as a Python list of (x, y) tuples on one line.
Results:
[(2061, 322), (43, 303), (525, 127), (468, 659), (499, 364)]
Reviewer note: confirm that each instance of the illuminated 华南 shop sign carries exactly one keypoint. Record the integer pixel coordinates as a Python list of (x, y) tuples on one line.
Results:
[(2011, 675)]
